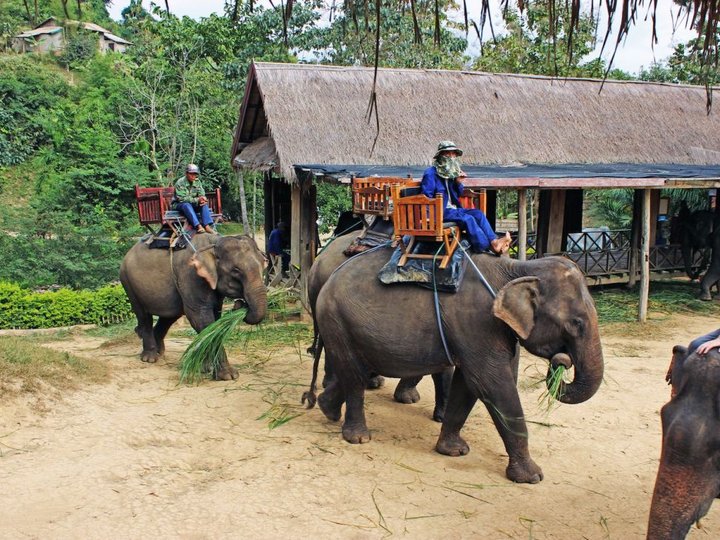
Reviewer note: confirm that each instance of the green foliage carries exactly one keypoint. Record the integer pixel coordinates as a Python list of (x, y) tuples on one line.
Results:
[(528, 47), (21, 308), (684, 66), (80, 46), (610, 207), (331, 201)]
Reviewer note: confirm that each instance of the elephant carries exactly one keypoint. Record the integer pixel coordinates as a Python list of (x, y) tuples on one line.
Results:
[(688, 477), (172, 283), (323, 267), (393, 330), (698, 231)]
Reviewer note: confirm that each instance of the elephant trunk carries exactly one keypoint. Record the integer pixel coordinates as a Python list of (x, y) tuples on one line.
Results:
[(589, 366), (687, 255), (256, 300), (679, 499)]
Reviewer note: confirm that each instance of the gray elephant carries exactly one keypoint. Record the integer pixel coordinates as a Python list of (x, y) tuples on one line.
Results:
[(170, 284), (393, 330), (688, 478), (406, 391)]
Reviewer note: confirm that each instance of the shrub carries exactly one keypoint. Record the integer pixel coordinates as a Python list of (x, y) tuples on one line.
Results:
[(20, 308)]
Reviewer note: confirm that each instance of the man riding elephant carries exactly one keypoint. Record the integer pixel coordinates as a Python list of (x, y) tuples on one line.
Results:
[(190, 199)]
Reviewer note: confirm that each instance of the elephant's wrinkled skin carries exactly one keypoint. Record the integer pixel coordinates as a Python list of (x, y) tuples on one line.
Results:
[(406, 392), (700, 230), (227, 266), (392, 330), (688, 477)]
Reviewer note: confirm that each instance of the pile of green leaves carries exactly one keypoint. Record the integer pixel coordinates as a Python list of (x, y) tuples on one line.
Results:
[(21, 308)]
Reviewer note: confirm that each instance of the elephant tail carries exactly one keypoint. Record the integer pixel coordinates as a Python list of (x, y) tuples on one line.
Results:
[(310, 396)]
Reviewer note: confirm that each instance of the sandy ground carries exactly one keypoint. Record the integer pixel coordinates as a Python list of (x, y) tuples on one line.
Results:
[(141, 457)]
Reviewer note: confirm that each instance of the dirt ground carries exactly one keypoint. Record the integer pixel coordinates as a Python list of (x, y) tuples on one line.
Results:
[(143, 457)]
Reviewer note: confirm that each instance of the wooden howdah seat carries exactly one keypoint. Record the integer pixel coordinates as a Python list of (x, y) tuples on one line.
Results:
[(421, 218), (156, 213)]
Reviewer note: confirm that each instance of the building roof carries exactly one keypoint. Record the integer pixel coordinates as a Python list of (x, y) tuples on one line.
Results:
[(316, 114), (39, 31)]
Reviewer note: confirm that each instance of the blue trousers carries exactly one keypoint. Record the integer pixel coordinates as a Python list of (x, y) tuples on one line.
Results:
[(475, 224), (190, 211), (695, 343)]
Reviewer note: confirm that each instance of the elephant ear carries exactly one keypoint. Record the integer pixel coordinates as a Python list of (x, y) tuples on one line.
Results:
[(516, 304), (206, 267)]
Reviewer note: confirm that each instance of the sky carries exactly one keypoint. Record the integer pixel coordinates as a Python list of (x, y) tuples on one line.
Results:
[(634, 53)]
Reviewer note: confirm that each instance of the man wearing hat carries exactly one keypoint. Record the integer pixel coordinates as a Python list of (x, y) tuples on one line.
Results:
[(190, 199), (445, 177)]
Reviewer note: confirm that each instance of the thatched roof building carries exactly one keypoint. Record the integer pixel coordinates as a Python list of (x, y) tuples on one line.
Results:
[(316, 114)]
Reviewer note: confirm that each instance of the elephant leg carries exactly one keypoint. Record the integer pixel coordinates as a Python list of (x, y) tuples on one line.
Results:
[(354, 428), (442, 382), (160, 331), (460, 403), (221, 369), (144, 329), (375, 381), (331, 400), (406, 390), (709, 279)]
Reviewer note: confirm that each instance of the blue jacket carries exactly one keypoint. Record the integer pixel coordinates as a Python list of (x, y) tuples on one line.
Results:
[(275, 242), (432, 184)]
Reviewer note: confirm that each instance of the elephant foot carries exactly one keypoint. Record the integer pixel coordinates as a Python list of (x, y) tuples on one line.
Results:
[(524, 471), (439, 414), (705, 296), (453, 445), (356, 434), (329, 407), (150, 356), (375, 382), (226, 373), (406, 395)]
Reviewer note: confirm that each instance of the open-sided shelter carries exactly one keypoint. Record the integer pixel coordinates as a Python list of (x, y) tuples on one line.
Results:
[(307, 123)]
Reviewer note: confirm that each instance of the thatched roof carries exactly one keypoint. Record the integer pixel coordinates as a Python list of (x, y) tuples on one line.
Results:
[(317, 114)]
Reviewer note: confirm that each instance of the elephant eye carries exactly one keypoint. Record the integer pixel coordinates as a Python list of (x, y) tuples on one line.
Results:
[(576, 326)]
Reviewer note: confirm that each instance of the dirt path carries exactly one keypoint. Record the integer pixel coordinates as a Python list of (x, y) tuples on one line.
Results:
[(142, 457)]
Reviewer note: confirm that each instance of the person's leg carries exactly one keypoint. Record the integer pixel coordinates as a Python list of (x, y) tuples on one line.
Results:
[(695, 343), (478, 238), (189, 212), (205, 216)]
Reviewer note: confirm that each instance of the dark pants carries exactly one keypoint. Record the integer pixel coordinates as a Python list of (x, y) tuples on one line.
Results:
[(474, 222), (695, 343), (190, 211)]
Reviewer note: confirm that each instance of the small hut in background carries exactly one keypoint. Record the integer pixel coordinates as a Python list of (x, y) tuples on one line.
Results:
[(49, 36), (306, 123)]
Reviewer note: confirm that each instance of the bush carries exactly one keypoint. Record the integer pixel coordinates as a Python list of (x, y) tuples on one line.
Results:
[(20, 308)]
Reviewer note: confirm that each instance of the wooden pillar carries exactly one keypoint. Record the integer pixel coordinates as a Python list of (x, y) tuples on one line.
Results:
[(308, 237), (645, 257), (522, 224), (556, 221), (654, 209), (295, 213), (635, 229)]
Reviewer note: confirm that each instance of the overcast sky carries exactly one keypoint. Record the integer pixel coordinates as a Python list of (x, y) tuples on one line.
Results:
[(636, 52)]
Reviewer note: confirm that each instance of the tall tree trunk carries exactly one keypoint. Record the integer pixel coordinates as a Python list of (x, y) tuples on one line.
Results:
[(65, 9), (37, 11), (31, 20), (79, 9), (167, 6), (236, 10)]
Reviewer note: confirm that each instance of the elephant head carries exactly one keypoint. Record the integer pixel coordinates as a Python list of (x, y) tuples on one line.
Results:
[(554, 316), (688, 477), (233, 266)]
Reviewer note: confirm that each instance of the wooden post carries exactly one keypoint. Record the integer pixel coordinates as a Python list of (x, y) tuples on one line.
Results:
[(645, 257), (636, 226), (243, 201), (556, 222), (522, 224)]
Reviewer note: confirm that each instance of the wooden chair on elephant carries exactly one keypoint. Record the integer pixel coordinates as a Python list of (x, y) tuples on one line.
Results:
[(372, 196), (421, 218)]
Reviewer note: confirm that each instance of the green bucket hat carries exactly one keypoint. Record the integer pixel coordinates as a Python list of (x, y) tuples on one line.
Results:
[(447, 146)]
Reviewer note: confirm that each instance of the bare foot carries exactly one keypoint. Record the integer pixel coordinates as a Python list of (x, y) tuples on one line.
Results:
[(501, 245)]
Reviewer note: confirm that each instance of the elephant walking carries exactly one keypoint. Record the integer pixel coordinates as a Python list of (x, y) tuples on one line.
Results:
[(170, 284), (393, 330), (323, 267), (688, 478)]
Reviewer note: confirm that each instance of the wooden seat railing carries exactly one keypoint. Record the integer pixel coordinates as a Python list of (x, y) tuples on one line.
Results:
[(421, 217), (155, 206), (474, 198), (372, 195)]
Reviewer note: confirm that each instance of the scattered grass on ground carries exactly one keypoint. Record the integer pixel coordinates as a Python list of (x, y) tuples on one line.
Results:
[(28, 368)]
